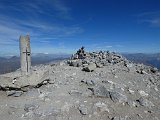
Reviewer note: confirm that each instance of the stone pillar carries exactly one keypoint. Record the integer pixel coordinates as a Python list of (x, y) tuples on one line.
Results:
[(25, 54)]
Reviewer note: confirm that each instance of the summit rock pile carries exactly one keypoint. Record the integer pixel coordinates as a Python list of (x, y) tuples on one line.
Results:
[(91, 61)]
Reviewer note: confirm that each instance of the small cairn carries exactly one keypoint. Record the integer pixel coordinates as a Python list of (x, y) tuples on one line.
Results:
[(93, 60)]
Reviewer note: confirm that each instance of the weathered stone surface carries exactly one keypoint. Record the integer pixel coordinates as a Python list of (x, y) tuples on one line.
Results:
[(153, 70), (14, 93), (142, 93), (66, 107), (30, 107), (29, 115), (18, 93), (132, 103), (100, 91), (10, 93), (99, 65), (118, 118), (24, 82), (90, 68), (118, 97), (131, 91), (83, 110), (88, 82), (75, 63), (75, 92), (101, 107), (145, 102), (41, 113), (143, 69), (47, 112)]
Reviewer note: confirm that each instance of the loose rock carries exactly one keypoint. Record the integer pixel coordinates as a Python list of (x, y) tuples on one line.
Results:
[(118, 118), (145, 102), (90, 68), (30, 107), (83, 110), (100, 91), (14, 93), (101, 107), (118, 97)]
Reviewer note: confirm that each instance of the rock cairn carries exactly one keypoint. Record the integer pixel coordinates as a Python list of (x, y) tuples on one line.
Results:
[(89, 61), (93, 60)]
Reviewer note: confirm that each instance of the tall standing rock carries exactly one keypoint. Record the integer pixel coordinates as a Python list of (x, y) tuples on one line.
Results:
[(25, 54)]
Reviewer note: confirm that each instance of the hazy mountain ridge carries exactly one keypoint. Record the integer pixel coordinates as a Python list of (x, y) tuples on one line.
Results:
[(148, 59), (9, 64)]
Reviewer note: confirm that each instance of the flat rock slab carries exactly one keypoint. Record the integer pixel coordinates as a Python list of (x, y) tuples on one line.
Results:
[(10, 81)]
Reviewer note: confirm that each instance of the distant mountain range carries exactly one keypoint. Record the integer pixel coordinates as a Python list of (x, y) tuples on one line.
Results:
[(9, 64), (147, 59)]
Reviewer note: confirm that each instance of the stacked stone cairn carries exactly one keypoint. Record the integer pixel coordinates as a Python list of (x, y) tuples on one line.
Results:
[(93, 60), (89, 61)]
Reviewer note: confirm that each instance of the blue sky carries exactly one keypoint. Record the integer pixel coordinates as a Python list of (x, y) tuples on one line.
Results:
[(63, 26)]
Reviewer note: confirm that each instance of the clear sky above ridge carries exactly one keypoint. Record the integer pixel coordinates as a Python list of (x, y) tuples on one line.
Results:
[(63, 26)]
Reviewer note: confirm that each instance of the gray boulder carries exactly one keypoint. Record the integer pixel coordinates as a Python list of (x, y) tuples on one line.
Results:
[(83, 110), (99, 65), (100, 91), (30, 107), (118, 97), (153, 70), (101, 107), (145, 102), (75, 63), (14, 93), (88, 82), (90, 68), (10, 93), (75, 92), (118, 118)]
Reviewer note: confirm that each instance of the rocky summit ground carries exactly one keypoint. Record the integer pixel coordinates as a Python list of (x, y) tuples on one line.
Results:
[(90, 86)]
